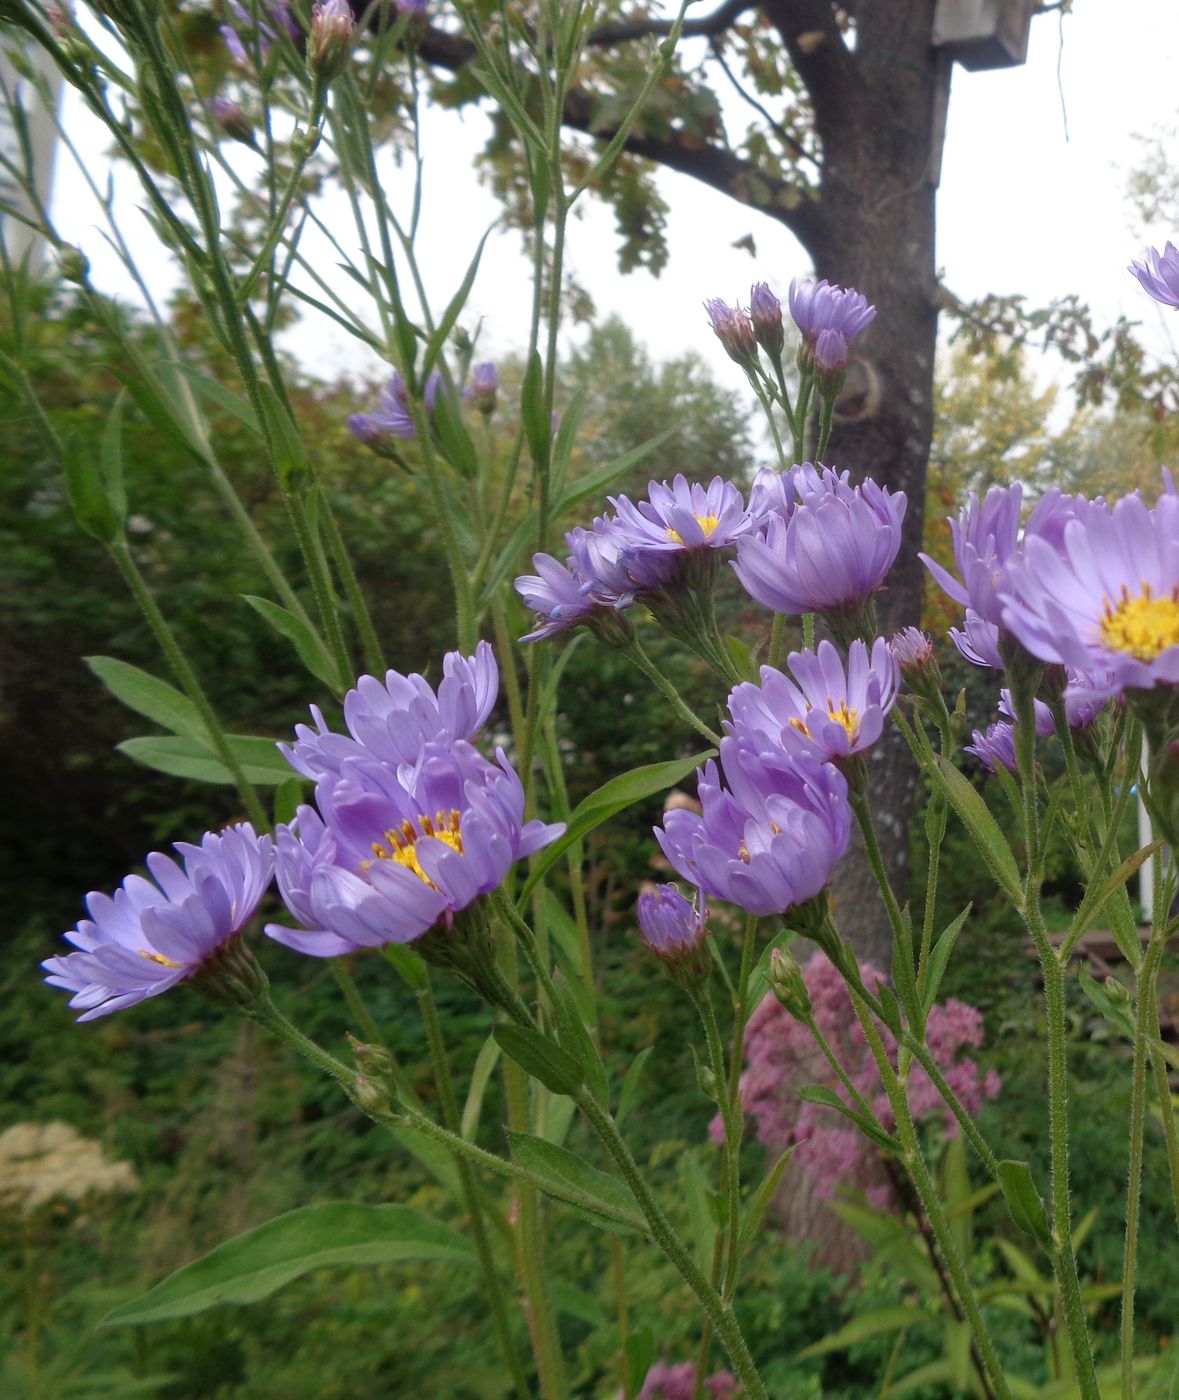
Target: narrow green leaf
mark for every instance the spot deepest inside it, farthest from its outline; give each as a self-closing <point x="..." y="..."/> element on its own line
<point x="537" y="427"/>
<point x="759" y="978"/>
<point x="601" y="477"/>
<point x="87" y="494"/>
<point x="576" y="1039"/>
<point x="751" y="1217"/>
<point x="869" y="1324"/>
<point x="112" y="458"/>
<point x="261" y="762"/>
<point x="154" y="699"/>
<point x="639" y="1353"/>
<point x="611" y="798"/>
<point x="939" y="957"/>
<point x="1097" y="896"/>
<point x="701" y="1227"/>
<point x="976" y="817"/>
<point x="454" y="308"/>
<point x="828" y="1098"/>
<point x="1023" y="1201"/>
<point x="741" y="656"/>
<point x="312" y="652"/>
<point x="254" y="1265"/>
<point x="1112" y="1000"/>
<point x="558" y="1115"/>
<point x="566" y="436"/>
<point x="541" y="1057"/>
<point x="629" y="1093"/>
<point x="485" y="1063"/>
<point x="152" y="400"/>
<point x="290" y="452"/>
<point x="436" y="1159"/>
<point x="287" y="797"/>
<point x="218" y="394"/>
<point x="576" y="1302"/>
<point x="595" y="1196"/>
<point x="458" y="447"/>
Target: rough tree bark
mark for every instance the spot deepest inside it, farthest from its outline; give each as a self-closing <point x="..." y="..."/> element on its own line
<point x="869" y="222"/>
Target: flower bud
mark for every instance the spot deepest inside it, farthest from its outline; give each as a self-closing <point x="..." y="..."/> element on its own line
<point x="368" y="1096"/>
<point x="787" y="984"/>
<point x="830" y="356"/>
<point x="482" y="390"/>
<point x="330" y="40"/>
<point x="675" y="929"/>
<point x="765" y="312"/>
<point x="919" y="669"/>
<point x="230" y="119"/>
<point x="74" y="264"/>
<point x="734" y="330"/>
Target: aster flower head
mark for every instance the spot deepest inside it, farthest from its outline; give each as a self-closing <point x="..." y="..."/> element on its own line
<point x="389" y="721"/>
<point x="831" y="352"/>
<point x="985" y="535"/>
<point x="681" y="516"/>
<point x="765" y="312"/>
<point x="1105" y="601"/>
<point x="733" y="329"/>
<point x="559" y="594"/>
<point x="995" y="747"/>
<point x="1159" y="274"/>
<point x="672" y="926"/>
<point x="1045" y="725"/>
<point x="149" y="936"/>
<point x="253" y="33"/>
<point x="978" y="641"/>
<point x="831" y="553"/>
<point x="912" y="648"/>
<point x="820" y="306"/>
<point x="389" y="852"/>
<point x="328" y="45"/>
<point x="830" y="712"/>
<point x="779" y="492"/>
<point x="392" y="419"/>
<point x="768" y="837"/>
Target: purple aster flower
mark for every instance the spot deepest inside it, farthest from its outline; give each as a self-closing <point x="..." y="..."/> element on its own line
<point x="484" y="387"/>
<point x="392" y="851"/>
<point x="831" y="352"/>
<point x="1159" y="274"/>
<point x="766" y="840"/>
<point x="765" y="312"/>
<point x="985" y="536"/>
<point x="392" y="418"/>
<point x="779" y="492"/>
<point x="148" y="937"/>
<point x="978" y="641"/>
<point x="1045" y="725"/>
<point x="557" y="594"/>
<point x="680" y="516"/>
<point x="1106" y="600"/>
<point x="330" y="40"/>
<point x="261" y="29"/>
<point x="734" y="330"/>
<point x="995" y="748"/>
<point x="820" y="306"/>
<point x="671" y="925"/>
<point x="912" y="648"/>
<point x="833" y="551"/>
<point x="389" y="721"/>
<point x="829" y="713"/>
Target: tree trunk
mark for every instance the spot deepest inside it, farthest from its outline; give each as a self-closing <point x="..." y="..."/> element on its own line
<point x="881" y="161"/>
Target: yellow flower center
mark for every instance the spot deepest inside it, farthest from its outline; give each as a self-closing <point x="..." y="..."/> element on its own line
<point x="158" y="958"/>
<point x="401" y="844"/>
<point x="1141" y="626"/>
<point x="843" y="714"/>
<point x="707" y="523"/>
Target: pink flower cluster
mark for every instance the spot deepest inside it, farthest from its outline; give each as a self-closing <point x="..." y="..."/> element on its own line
<point x="666" y="1382"/>
<point x="781" y="1056"/>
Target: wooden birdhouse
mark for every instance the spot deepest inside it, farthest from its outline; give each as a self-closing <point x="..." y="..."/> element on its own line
<point x="981" y="34"/>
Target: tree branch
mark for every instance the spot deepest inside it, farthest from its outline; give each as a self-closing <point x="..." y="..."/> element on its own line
<point x="709" y="25"/>
<point x="713" y="165"/>
<point x="818" y="53"/>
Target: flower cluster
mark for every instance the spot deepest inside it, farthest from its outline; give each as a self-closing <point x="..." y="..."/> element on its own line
<point x="392" y="420"/>
<point x="410" y="825"/>
<point x="781" y="1056"/>
<point x="820" y="544"/>
<point x="643" y="549"/>
<point x="247" y="32"/>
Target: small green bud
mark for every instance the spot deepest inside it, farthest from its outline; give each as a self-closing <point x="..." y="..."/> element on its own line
<point x="73" y="263"/>
<point x="787" y="984"/>
<point x="368" y="1096"/>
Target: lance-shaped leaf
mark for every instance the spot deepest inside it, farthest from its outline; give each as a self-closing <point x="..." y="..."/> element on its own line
<point x="261" y="762"/>
<point x="253" y="1265"/>
<point x="312" y="652"/>
<point x="1023" y="1201"/>
<point x="148" y="696"/>
<point x="543" y="1058"/>
<point x="601" y="1199"/>
<point x="1097" y="896"/>
<point x="821" y="1094"/>
<point x="611" y="798"/>
<point x="976" y="817"/>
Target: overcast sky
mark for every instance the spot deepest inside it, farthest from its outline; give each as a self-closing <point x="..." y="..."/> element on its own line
<point x="1032" y="201"/>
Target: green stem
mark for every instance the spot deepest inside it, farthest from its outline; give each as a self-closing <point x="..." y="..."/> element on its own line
<point x="618" y="1273"/>
<point x="716" y="1309"/>
<point x="370" y="644"/>
<point x="733" y="1095"/>
<point x="636" y="654"/>
<point x="918" y="1171"/>
<point x="777" y="640"/>
<point x="492" y="1285"/>
<point x="188" y="680"/>
<point x="731" y="1163"/>
<point x="825" y="416"/>
<point x="1064" y="1258"/>
<point x="1162" y="1089"/>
